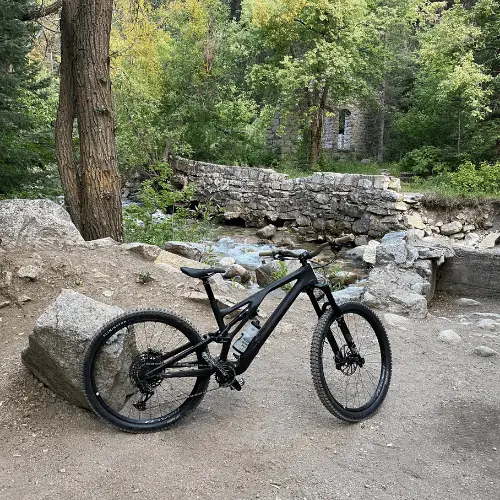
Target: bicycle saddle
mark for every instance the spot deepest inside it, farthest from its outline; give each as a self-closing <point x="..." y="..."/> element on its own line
<point x="202" y="273"/>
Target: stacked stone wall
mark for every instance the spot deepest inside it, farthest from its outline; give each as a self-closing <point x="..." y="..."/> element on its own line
<point x="324" y="203"/>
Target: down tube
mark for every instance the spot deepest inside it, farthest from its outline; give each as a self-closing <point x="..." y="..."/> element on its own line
<point x="269" y="326"/>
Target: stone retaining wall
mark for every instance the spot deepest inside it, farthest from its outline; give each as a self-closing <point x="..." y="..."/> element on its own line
<point x="324" y="203"/>
<point x="471" y="272"/>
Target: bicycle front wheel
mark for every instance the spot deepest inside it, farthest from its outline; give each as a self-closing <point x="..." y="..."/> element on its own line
<point x="117" y="369"/>
<point x="351" y="382"/>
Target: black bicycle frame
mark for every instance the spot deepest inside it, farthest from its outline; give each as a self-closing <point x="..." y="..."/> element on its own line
<point x="306" y="281"/>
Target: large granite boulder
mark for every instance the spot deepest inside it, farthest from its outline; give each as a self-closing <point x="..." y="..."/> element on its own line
<point x="403" y="279"/>
<point x="59" y="339"/>
<point x="35" y="224"/>
<point x="193" y="251"/>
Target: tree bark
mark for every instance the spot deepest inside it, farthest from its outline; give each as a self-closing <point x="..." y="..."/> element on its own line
<point x="317" y="124"/>
<point x="101" y="213"/>
<point x="42" y="11"/>
<point x="381" y="133"/>
<point x="68" y="168"/>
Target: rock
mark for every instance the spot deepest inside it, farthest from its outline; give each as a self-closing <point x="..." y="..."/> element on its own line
<point x="237" y="271"/>
<point x="485" y="352"/>
<point x="399" y="291"/>
<point x="36" y="224"/>
<point x="471" y="269"/>
<point x="31" y="272"/>
<point x="265" y="274"/>
<point x="147" y="252"/>
<point x="401" y="206"/>
<point x="226" y="261"/>
<point x="59" y="339"/>
<point x="193" y="251"/>
<point x="451" y="228"/>
<point x="471" y="239"/>
<point x="488" y="324"/>
<point x="24" y="298"/>
<point x="449" y="337"/>
<point x="344" y="277"/>
<point x="178" y="261"/>
<point x="412" y="198"/>
<point x="101" y="243"/>
<point x="202" y="297"/>
<point x="5" y="303"/>
<point x="400" y="253"/>
<point x="467" y="302"/>
<point x="490" y="240"/>
<point x="370" y="253"/>
<point x="6" y="279"/>
<point x="351" y="293"/>
<point x="395" y="319"/>
<point x="360" y="240"/>
<point x="168" y="268"/>
<point x="267" y="232"/>
<point x="356" y="253"/>
<point x="415" y="221"/>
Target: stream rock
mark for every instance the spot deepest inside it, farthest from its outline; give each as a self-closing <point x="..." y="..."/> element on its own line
<point x="237" y="271"/>
<point x="59" y="339"/>
<point x="266" y="232"/>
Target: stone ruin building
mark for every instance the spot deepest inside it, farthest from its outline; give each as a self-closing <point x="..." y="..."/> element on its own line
<point x="348" y="132"/>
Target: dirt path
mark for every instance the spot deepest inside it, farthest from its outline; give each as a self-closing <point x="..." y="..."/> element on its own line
<point x="437" y="436"/>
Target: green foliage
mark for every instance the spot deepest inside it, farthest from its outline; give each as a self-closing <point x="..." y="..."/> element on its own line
<point x="469" y="178"/>
<point x="142" y="222"/>
<point x="312" y="52"/>
<point x="468" y="181"/>
<point x="281" y="272"/>
<point x="425" y="161"/>
<point x="26" y="144"/>
<point x="145" y="277"/>
<point x="207" y="110"/>
<point x="451" y="102"/>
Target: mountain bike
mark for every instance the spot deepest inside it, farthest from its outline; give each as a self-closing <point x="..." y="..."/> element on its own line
<point x="148" y="369"/>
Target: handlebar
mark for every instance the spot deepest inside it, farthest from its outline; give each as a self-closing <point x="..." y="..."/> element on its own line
<point x="307" y="255"/>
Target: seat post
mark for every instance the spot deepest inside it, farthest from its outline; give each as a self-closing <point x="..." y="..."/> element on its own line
<point x="213" y="303"/>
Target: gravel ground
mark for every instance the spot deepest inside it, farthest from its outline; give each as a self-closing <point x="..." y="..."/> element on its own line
<point x="437" y="436"/>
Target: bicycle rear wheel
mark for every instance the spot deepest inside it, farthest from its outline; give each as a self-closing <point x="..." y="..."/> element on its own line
<point x="116" y="365"/>
<point x="351" y="384"/>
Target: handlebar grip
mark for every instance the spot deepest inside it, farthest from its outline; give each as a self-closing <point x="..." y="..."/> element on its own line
<point x="344" y="239"/>
<point x="267" y="253"/>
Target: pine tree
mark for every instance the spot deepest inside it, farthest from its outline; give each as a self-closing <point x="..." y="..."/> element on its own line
<point x="17" y="81"/>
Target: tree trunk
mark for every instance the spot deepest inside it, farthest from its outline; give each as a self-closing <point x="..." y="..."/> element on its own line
<point x="317" y="124"/>
<point x="68" y="168"/>
<point x="381" y="133"/>
<point x="101" y="213"/>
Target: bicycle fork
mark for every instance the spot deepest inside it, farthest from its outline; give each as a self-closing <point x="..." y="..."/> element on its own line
<point x="341" y="358"/>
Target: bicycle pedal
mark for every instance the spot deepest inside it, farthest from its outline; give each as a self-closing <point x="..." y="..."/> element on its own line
<point x="237" y="384"/>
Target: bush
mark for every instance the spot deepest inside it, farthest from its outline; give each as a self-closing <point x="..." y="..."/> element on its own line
<point x="162" y="214"/>
<point x="470" y="179"/>
<point x="427" y="160"/>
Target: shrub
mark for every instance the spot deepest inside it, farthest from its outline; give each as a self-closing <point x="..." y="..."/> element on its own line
<point x="162" y="214"/>
<point x="426" y="160"/>
<point x="471" y="179"/>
